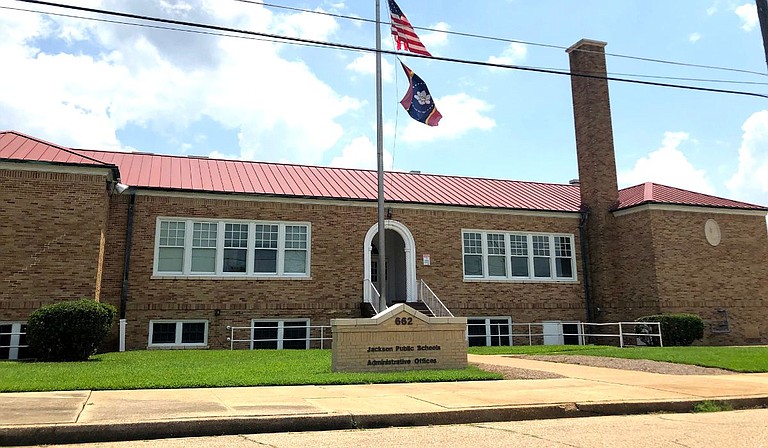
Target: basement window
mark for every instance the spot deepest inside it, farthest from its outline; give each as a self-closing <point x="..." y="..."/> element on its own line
<point x="13" y="340"/>
<point x="280" y="334"/>
<point x="178" y="333"/>
<point x="507" y="256"/>
<point x="489" y="331"/>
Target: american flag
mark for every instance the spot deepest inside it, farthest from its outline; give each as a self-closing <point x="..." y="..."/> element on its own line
<point x="403" y="32"/>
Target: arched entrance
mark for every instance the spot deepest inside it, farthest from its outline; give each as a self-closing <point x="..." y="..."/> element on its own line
<point x="400" y="264"/>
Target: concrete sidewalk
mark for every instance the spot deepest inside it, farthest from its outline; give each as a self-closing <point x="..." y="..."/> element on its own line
<point x="90" y="416"/>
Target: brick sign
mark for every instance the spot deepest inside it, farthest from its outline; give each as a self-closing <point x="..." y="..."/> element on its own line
<point x="399" y="338"/>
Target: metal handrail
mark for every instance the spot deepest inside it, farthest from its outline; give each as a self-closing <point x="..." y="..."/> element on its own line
<point x="509" y="331"/>
<point x="433" y="302"/>
<point x="231" y="339"/>
<point x="373" y="297"/>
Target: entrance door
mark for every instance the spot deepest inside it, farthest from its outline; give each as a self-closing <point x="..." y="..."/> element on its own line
<point x="400" y="269"/>
<point x="395" y="269"/>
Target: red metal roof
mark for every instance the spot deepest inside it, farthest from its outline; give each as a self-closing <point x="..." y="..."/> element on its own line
<point x="202" y="174"/>
<point x="651" y="193"/>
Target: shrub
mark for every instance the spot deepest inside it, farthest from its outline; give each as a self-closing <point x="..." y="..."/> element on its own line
<point x="69" y="331"/>
<point x="676" y="329"/>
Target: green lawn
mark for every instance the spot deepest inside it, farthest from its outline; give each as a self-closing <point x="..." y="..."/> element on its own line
<point x="739" y="359"/>
<point x="169" y="369"/>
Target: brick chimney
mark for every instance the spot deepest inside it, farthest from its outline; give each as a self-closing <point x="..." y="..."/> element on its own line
<point x="594" y="132"/>
<point x="597" y="166"/>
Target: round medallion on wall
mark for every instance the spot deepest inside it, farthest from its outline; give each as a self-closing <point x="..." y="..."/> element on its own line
<point x="712" y="232"/>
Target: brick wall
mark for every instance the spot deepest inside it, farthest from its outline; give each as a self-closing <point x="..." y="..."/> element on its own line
<point x="337" y="271"/>
<point x="694" y="276"/>
<point x="52" y="236"/>
<point x="665" y="264"/>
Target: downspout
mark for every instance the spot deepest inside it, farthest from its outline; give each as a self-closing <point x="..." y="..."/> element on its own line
<point x="126" y="267"/>
<point x="584" y="263"/>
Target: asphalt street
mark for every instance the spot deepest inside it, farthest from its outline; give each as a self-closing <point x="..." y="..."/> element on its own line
<point x="746" y="428"/>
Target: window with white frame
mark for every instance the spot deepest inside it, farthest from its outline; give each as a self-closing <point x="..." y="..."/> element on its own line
<point x="280" y="334"/>
<point x="196" y="247"/>
<point x="489" y="331"/>
<point x="518" y="256"/>
<point x="178" y="333"/>
<point x="13" y="340"/>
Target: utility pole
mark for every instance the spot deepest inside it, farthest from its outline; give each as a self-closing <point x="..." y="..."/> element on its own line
<point x="762" y="15"/>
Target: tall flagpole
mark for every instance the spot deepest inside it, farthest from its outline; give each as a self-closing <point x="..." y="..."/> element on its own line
<point x="382" y="266"/>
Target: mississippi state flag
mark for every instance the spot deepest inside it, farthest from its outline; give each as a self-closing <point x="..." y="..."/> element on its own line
<point x="403" y="33"/>
<point x="418" y="102"/>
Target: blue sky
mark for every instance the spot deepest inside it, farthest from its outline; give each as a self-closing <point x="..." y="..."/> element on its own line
<point x="98" y="85"/>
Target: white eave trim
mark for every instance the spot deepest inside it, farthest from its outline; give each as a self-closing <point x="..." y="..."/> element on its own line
<point x="689" y="209"/>
<point x="53" y="167"/>
<point x="356" y="203"/>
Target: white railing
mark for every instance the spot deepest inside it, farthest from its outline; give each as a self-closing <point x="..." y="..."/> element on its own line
<point x="434" y="303"/>
<point x="323" y="334"/>
<point x="371" y="295"/>
<point x="534" y="333"/>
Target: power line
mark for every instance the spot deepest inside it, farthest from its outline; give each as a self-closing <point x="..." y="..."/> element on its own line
<point x="505" y="40"/>
<point x="323" y="44"/>
<point x="211" y="33"/>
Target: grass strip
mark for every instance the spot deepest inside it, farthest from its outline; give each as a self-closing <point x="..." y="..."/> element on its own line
<point x="172" y="369"/>
<point x="737" y="359"/>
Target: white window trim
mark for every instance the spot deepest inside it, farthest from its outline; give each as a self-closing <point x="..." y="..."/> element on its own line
<point x="179" y="323"/>
<point x="220" y="274"/>
<point x="531" y="278"/>
<point x="488" y="334"/>
<point x="280" y="329"/>
<point x="13" y="350"/>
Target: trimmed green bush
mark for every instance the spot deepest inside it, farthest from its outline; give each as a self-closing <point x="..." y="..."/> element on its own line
<point x="69" y="331"/>
<point x="676" y="329"/>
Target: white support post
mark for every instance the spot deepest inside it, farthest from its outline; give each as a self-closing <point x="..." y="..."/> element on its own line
<point x="621" y="336"/>
<point x="123" y="323"/>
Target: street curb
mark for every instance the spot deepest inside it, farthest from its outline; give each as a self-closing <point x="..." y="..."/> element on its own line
<point x="218" y="426"/>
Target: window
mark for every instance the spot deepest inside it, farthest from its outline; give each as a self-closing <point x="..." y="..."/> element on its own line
<point x="195" y="247"/>
<point x="489" y="331"/>
<point x="518" y="256"/>
<point x="178" y="333"/>
<point x="266" y="249"/>
<point x="280" y="334"/>
<point x="563" y="256"/>
<point x="204" y="247"/>
<point x="13" y="340"/>
<point x="295" y="249"/>
<point x="473" y="254"/>
<point x="170" y="257"/>
<point x="235" y="247"/>
<point x="518" y="248"/>
<point x="497" y="261"/>
<point x="541" y="262"/>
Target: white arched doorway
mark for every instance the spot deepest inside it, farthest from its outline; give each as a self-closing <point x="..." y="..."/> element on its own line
<point x="401" y="260"/>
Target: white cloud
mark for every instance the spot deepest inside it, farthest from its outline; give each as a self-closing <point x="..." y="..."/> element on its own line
<point x="361" y="153"/>
<point x="712" y="10"/>
<point x="513" y="54"/>
<point x="694" y="37"/>
<point x="750" y="182"/>
<point x="166" y="81"/>
<point x="748" y="15"/>
<point x="668" y="165"/>
<point x="435" y="39"/>
<point x="365" y="64"/>
<point x="307" y="25"/>
<point x="461" y="114"/>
